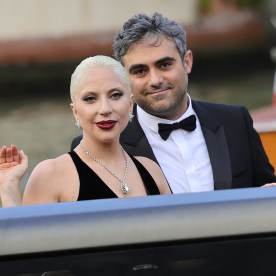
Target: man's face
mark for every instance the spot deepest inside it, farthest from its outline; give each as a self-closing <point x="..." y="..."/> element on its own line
<point x="158" y="78"/>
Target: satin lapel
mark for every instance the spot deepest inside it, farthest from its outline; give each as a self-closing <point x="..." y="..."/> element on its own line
<point x="134" y="140"/>
<point x="214" y="135"/>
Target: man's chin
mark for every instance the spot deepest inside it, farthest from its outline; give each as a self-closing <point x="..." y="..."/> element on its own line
<point x="159" y="110"/>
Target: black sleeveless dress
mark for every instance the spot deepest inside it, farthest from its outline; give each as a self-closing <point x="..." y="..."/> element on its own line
<point x="92" y="186"/>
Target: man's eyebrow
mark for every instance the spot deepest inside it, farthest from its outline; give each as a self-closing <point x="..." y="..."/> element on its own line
<point x="140" y="65"/>
<point x="164" y="59"/>
<point x="135" y="66"/>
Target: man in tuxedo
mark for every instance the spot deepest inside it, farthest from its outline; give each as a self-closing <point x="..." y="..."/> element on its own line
<point x="199" y="146"/>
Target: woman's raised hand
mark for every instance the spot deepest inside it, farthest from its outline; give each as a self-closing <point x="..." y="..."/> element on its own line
<point x="13" y="166"/>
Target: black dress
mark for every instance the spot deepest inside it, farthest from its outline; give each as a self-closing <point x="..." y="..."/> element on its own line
<point x="92" y="186"/>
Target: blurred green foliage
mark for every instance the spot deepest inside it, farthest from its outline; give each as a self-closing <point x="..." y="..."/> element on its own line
<point x="250" y="3"/>
<point x="205" y="6"/>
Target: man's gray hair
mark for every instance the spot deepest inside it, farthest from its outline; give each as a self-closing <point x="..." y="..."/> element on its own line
<point x="141" y="27"/>
<point x="93" y="62"/>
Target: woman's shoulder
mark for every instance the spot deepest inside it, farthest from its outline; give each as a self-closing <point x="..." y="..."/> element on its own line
<point x="154" y="169"/>
<point x="146" y="161"/>
<point x="53" y="165"/>
<point x="48" y="179"/>
<point x="149" y="164"/>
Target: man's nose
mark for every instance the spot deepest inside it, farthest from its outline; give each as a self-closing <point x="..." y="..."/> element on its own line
<point x="156" y="78"/>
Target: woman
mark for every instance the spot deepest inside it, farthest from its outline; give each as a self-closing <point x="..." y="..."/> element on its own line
<point x="97" y="168"/>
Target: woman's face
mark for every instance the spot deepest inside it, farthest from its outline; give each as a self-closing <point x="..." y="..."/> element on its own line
<point x="102" y="104"/>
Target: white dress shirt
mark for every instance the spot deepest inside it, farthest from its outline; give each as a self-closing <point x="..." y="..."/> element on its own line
<point x="183" y="157"/>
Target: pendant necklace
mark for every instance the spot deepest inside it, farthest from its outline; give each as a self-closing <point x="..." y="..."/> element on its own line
<point x="124" y="186"/>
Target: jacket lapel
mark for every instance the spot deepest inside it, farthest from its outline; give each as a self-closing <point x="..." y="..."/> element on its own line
<point x="134" y="140"/>
<point x="216" y="142"/>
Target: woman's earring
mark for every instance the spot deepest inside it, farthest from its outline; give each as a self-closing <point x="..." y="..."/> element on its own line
<point x="130" y="117"/>
<point x="77" y="123"/>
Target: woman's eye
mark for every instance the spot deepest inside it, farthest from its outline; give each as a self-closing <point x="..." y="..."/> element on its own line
<point x="116" y="95"/>
<point x="89" y="99"/>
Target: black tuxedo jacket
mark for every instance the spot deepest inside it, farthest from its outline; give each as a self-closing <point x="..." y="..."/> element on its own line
<point x="236" y="153"/>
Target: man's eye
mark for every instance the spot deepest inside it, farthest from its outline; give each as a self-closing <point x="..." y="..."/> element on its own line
<point x="165" y="65"/>
<point x="139" y="72"/>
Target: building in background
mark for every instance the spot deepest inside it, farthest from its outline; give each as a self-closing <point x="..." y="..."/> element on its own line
<point x="53" y="31"/>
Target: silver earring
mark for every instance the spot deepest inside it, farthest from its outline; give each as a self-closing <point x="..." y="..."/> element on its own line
<point x="130" y="117"/>
<point x="77" y="123"/>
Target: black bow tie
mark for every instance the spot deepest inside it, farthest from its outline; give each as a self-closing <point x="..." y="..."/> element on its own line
<point x="188" y="124"/>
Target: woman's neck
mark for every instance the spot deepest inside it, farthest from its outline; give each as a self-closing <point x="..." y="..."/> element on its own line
<point x="103" y="151"/>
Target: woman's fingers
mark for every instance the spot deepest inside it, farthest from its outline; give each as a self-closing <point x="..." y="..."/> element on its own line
<point x="9" y="154"/>
<point x="23" y="158"/>
<point x="3" y="154"/>
<point x="9" y="157"/>
<point x="15" y="153"/>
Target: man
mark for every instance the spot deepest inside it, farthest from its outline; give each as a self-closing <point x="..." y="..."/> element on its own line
<point x="218" y="149"/>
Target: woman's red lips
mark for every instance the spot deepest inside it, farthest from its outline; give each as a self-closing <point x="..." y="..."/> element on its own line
<point x="106" y="124"/>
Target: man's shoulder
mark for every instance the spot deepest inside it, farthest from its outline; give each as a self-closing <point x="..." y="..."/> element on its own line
<point x="133" y="129"/>
<point x="215" y="105"/>
<point x="76" y="142"/>
<point x="201" y="106"/>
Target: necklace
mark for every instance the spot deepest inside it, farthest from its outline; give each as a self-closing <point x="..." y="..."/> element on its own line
<point x="124" y="186"/>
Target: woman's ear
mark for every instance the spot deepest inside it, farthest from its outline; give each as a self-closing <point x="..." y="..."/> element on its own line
<point x="75" y="113"/>
<point x="131" y="103"/>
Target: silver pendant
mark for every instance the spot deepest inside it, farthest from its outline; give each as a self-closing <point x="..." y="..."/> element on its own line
<point x="124" y="188"/>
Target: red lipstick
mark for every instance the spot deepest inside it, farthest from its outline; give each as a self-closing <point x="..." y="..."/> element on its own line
<point x="106" y="124"/>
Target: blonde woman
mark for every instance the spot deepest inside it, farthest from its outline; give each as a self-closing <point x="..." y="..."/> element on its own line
<point x="97" y="168"/>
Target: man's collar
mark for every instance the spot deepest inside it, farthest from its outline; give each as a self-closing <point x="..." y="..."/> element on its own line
<point x="151" y="122"/>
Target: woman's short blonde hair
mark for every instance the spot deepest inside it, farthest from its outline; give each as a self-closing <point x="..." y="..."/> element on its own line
<point x="93" y="62"/>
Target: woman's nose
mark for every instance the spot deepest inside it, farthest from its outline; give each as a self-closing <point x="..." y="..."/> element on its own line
<point x="105" y="107"/>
